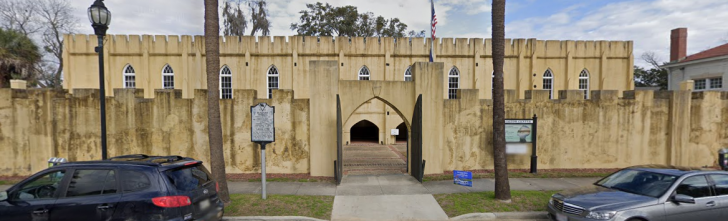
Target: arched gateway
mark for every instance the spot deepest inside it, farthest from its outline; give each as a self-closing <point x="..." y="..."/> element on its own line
<point x="411" y="100"/>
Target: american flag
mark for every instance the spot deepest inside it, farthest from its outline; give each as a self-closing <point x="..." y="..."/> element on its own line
<point x="433" y="22"/>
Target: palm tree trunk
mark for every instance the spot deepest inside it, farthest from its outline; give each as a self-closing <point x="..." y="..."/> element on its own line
<point x="214" y="128"/>
<point x="500" y="164"/>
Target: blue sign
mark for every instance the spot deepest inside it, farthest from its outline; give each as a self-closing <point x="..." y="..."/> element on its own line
<point x="463" y="178"/>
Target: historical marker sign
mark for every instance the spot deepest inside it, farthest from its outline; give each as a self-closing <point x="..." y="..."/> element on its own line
<point x="262" y="123"/>
<point x="262" y="131"/>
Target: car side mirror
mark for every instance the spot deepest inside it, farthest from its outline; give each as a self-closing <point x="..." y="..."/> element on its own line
<point x="3" y="196"/>
<point x="681" y="198"/>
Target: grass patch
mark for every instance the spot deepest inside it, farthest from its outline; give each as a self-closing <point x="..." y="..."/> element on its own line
<point x="280" y="205"/>
<point x="456" y="204"/>
<point x="516" y="174"/>
<point x="9" y="182"/>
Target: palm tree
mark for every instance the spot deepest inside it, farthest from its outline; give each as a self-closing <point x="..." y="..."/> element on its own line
<point x="214" y="127"/>
<point x="18" y="57"/>
<point x="500" y="164"/>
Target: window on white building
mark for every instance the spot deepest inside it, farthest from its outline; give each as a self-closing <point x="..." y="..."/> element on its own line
<point x="226" y="83"/>
<point x="716" y="83"/>
<point x="453" y="83"/>
<point x="364" y="73"/>
<point x="272" y="80"/>
<point x="708" y="84"/>
<point x="167" y="77"/>
<point x="408" y="74"/>
<point x="129" y="77"/>
<point x="548" y="82"/>
<point x="584" y="83"/>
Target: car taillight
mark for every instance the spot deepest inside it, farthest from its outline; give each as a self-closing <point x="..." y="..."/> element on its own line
<point x="217" y="187"/>
<point x="171" y="201"/>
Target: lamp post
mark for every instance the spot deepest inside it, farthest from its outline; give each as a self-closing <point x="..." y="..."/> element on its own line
<point x="100" y="18"/>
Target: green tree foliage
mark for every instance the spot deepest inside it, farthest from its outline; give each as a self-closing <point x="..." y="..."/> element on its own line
<point x="235" y="23"/>
<point x="233" y="19"/>
<point x="259" y="17"/>
<point x="18" y="57"/>
<point x="653" y="77"/>
<point x="323" y="19"/>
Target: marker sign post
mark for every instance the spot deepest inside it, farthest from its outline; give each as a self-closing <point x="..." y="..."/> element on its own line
<point x="520" y="132"/>
<point x="262" y="131"/>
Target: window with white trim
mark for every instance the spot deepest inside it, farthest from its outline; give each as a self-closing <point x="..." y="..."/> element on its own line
<point x="226" y="83"/>
<point x="129" y="77"/>
<point x="364" y="73"/>
<point x="167" y="77"/>
<point x="453" y="83"/>
<point x="272" y="80"/>
<point x="716" y="83"/>
<point x="584" y="82"/>
<point x="408" y="74"/>
<point x="548" y="82"/>
<point x="708" y="84"/>
<point x="699" y="84"/>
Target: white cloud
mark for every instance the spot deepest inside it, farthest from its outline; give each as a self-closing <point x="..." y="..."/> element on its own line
<point x="648" y="24"/>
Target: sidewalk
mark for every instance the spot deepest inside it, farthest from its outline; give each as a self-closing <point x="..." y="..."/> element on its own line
<point x="361" y="185"/>
<point x="401" y="197"/>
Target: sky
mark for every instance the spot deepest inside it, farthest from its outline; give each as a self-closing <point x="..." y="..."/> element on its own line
<point x="645" y="22"/>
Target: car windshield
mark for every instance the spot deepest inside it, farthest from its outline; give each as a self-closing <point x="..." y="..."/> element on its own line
<point x="638" y="182"/>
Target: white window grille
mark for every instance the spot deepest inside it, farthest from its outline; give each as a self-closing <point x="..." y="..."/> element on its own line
<point x="716" y="83"/>
<point x="453" y="83"/>
<point x="272" y="80"/>
<point x="492" y="82"/>
<point x="548" y="83"/>
<point x="408" y="74"/>
<point x="708" y="84"/>
<point x="226" y="83"/>
<point x="584" y="83"/>
<point x="167" y="77"/>
<point x="129" y="77"/>
<point x="364" y="73"/>
<point x="700" y="84"/>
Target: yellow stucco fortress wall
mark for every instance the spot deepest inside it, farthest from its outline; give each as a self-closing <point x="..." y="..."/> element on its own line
<point x="605" y="131"/>
<point x="608" y="64"/>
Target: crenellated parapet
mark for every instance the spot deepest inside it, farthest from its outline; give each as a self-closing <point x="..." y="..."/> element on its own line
<point x="365" y="46"/>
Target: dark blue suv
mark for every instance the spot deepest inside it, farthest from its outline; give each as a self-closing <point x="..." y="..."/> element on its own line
<point x="130" y="187"/>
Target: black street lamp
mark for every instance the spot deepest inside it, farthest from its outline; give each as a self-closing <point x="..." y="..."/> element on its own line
<point x="100" y="18"/>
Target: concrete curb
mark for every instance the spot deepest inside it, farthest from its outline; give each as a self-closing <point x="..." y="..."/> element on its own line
<point x="270" y="218"/>
<point x="504" y="215"/>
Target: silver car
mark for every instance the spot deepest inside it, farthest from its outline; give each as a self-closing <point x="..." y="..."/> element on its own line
<point x="646" y="193"/>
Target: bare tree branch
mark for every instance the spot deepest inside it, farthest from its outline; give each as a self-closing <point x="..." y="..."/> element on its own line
<point x="651" y="58"/>
<point x="19" y="15"/>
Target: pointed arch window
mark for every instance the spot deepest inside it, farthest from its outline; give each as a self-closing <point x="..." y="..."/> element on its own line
<point x="453" y="83"/>
<point x="408" y="74"/>
<point x="272" y="80"/>
<point x="129" y="77"/>
<point x="226" y="83"/>
<point x="167" y="77"/>
<point x="364" y="73"/>
<point x="548" y="82"/>
<point x="584" y="82"/>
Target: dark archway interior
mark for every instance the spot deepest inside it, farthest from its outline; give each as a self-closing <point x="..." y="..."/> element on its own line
<point x="365" y="131"/>
<point x="402" y="132"/>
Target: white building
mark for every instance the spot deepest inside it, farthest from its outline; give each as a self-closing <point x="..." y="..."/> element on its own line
<point x="708" y="69"/>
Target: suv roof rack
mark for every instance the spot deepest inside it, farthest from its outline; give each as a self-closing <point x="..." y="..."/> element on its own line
<point x="149" y="159"/>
